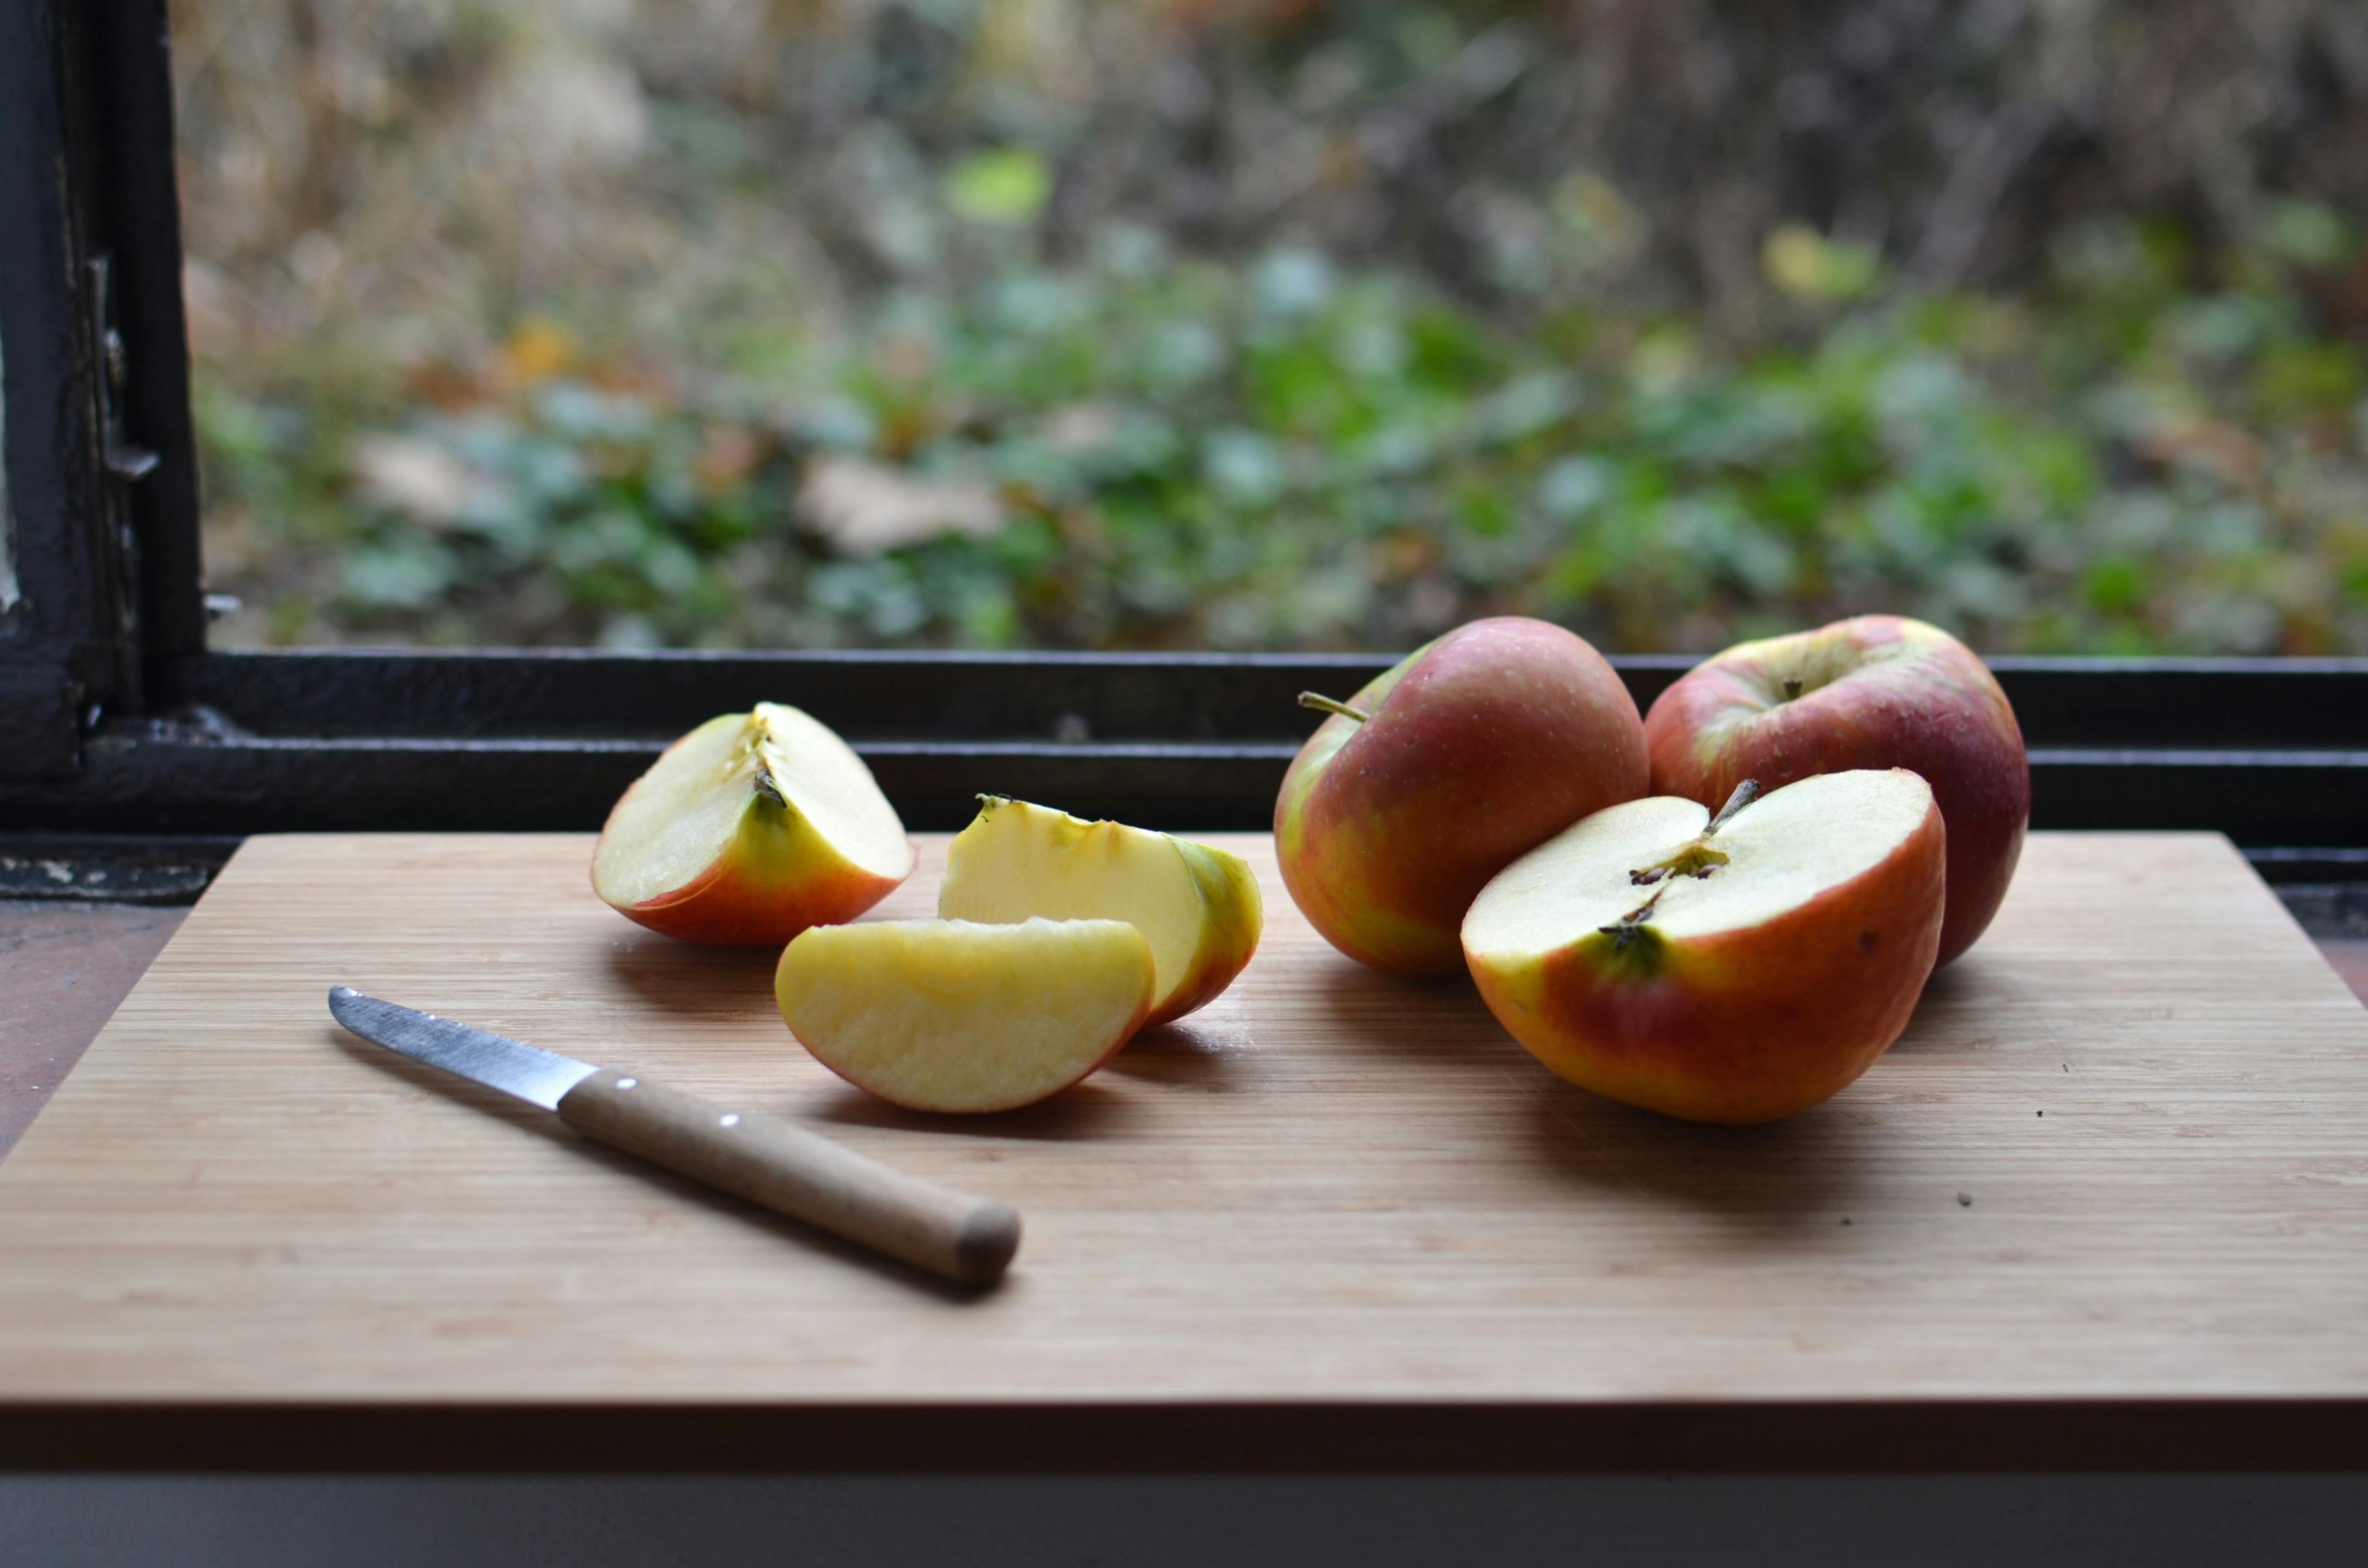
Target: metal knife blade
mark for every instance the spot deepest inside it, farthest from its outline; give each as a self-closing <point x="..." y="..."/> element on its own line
<point x="533" y="1075"/>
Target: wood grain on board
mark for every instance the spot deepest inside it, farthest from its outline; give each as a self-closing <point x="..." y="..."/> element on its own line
<point x="2119" y="1160"/>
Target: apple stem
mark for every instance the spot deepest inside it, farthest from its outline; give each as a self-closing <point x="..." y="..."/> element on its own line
<point x="1792" y="688"/>
<point x="1324" y="704"/>
<point x="1745" y="793"/>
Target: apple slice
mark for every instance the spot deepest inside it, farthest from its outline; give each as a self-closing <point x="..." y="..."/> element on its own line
<point x="750" y="829"/>
<point x="951" y="1015"/>
<point x="1198" y="907"/>
<point x="1734" y="969"/>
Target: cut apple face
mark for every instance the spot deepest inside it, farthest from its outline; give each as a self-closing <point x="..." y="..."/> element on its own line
<point x="953" y="1016"/>
<point x="1731" y="970"/>
<point x="1198" y="907"/>
<point x="750" y="829"/>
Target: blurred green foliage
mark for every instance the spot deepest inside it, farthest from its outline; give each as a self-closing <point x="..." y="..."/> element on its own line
<point x="1288" y="453"/>
<point x="1271" y="324"/>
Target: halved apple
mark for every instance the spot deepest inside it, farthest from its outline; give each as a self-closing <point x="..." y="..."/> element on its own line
<point x="1198" y="907"/>
<point x="1734" y="969"/>
<point x="750" y="829"/>
<point x="951" y="1016"/>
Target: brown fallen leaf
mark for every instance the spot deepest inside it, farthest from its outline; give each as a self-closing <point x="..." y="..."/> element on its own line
<point x="862" y="508"/>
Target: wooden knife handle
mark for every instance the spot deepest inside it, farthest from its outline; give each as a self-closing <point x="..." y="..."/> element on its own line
<point x="797" y="1172"/>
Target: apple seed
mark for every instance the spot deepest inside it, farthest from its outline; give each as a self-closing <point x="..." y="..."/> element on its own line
<point x="1697" y="860"/>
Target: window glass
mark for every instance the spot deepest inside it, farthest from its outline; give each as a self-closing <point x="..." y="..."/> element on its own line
<point x="1262" y="323"/>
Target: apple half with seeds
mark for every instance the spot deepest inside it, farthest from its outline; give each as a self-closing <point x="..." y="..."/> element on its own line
<point x="1734" y="969"/>
<point x="748" y="830"/>
<point x="953" y="1016"/>
<point x="1198" y="907"/>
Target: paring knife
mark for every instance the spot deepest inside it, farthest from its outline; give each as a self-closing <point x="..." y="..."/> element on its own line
<point x="757" y="1157"/>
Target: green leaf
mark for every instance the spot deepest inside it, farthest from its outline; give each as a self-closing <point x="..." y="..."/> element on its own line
<point x="1805" y="264"/>
<point x="2308" y="234"/>
<point x="398" y="577"/>
<point x="1006" y="184"/>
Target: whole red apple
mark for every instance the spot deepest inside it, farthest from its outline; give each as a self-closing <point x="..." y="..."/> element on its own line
<point x="1874" y="691"/>
<point x="1472" y="750"/>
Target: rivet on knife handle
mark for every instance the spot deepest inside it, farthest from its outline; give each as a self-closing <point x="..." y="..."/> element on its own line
<point x="797" y="1172"/>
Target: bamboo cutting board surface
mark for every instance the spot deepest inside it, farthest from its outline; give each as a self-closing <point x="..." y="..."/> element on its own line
<point x="2121" y="1155"/>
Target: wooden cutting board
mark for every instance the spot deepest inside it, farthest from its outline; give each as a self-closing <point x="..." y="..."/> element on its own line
<point x="2105" y="1202"/>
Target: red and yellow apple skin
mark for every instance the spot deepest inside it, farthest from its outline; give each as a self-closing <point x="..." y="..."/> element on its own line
<point x="1742" y="1026"/>
<point x="1479" y="747"/>
<point x="1876" y="691"/>
<point x="779" y="878"/>
<point x="1226" y="885"/>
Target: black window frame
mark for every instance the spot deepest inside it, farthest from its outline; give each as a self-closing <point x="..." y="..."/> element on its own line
<point x="115" y="714"/>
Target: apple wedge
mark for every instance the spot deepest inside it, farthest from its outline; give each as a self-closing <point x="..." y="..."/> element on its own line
<point x="952" y="1015"/>
<point x="750" y="829"/>
<point x="1734" y="969"/>
<point x="1198" y="907"/>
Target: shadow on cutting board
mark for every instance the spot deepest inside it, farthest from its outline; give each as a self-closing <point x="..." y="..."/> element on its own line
<point x="688" y="979"/>
<point x="1205" y="1053"/>
<point x="1790" y="1179"/>
<point x="1820" y="1172"/>
<point x="1082" y="1111"/>
<point x="1787" y="1180"/>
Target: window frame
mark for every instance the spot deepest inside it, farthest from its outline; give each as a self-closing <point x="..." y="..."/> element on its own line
<point x="106" y="523"/>
<point x="113" y="711"/>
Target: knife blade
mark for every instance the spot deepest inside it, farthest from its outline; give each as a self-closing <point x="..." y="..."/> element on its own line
<point x="758" y="1157"/>
<point x="531" y="1074"/>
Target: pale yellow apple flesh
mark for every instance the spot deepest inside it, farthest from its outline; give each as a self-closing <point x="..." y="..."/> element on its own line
<point x="1198" y="907"/>
<point x="750" y="829"/>
<point x="1732" y="975"/>
<point x="1777" y="854"/>
<point x="953" y="1016"/>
